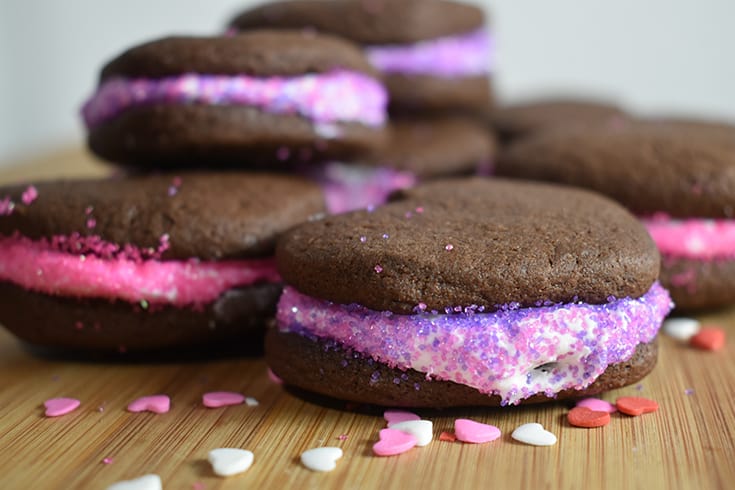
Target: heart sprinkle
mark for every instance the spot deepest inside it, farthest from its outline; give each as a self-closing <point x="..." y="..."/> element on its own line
<point x="147" y="482"/>
<point x="709" y="338"/>
<point x="681" y="328"/>
<point x="475" y="432"/>
<point x="154" y="403"/>
<point x="584" y="417"/>
<point x="635" y="405"/>
<point x="218" y="399"/>
<point x="230" y="461"/>
<point x="597" y="405"/>
<point x="60" y="406"/>
<point x="534" y="434"/>
<point x="422" y="430"/>
<point x="393" y="442"/>
<point x="321" y="458"/>
<point x="398" y="416"/>
<point x="447" y="436"/>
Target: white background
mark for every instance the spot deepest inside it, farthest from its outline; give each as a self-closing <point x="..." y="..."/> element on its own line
<point x="652" y="55"/>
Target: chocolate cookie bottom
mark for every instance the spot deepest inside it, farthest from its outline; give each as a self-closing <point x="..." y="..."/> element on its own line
<point x="699" y="284"/>
<point x="99" y="325"/>
<point x="325" y="367"/>
<point x="420" y="94"/>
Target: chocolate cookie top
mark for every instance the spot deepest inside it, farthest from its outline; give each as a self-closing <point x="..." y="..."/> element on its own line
<point x="434" y="147"/>
<point x="473" y="242"/>
<point x="209" y="216"/>
<point x="681" y="169"/>
<point x="367" y="21"/>
<point x="514" y="121"/>
<point x="258" y="53"/>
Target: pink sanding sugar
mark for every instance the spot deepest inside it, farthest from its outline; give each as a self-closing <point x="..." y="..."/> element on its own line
<point x="40" y="267"/>
<point x="699" y="239"/>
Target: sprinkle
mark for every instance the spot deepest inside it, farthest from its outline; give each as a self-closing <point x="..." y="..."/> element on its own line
<point x="282" y="153"/>
<point x="408" y="214"/>
<point x="398" y="416"/>
<point x="218" y="399"/>
<point x="274" y="377"/>
<point x="197" y="485"/>
<point x="78" y="325"/>
<point x="419" y="210"/>
<point x="393" y="442"/>
<point x="91" y="223"/>
<point x="449" y="247"/>
<point x="29" y="195"/>
<point x="639" y="387"/>
<point x="363" y="239"/>
<point x="378" y="268"/>
<point x="6" y="206"/>
<point x="586" y="418"/>
<point x="88" y="210"/>
<point x="321" y="458"/>
<point x="597" y="405"/>
<point x="534" y="434"/>
<point x="144" y="304"/>
<point x="681" y="328"/>
<point x="467" y="430"/>
<point x="709" y="338"/>
<point x="107" y="460"/>
<point x="633" y="405"/>
<point x="447" y="436"/>
<point x="251" y="402"/>
<point x="342" y="437"/>
<point x="385" y="236"/>
<point x="56" y="407"/>
<point x="153" y="403"/>
<point x="230" y="461"/>
<point x="689" y="391"/>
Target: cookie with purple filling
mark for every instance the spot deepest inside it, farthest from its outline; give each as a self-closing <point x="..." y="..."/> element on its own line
<point x="146" y="263"/>
<point x="469" y="292"/>
<point x="678" y="176"/>
<point x="434" y="54"/>
<point x="182" y="101"/>
<point x="417" y="150"/>
<point x="517" y="121"/>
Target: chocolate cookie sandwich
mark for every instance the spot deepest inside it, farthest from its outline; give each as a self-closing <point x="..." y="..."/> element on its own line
<point x="182" y="101"/>
<point x="417" y="150"/>
<point x="677" y="176"/>
<point x="146" y="263"/>
<point x="517" y="121"/>
<point x="435" y="54"/>
<point x="469" y="292"/>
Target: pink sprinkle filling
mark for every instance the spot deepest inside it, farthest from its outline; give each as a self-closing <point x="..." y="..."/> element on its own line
<point x="699" y="239"/>
<point x="337" y="96"/>
<point x="38" y="267"/>
<point x="512" y="352"/>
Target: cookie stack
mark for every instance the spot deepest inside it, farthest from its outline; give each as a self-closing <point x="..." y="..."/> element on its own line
<point x="462" y="291"/>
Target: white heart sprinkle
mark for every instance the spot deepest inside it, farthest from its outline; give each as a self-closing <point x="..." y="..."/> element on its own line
<point x="534" y="434"/>
<point x="251" y="402"/>
<point x="681" y="328"/>
<point x="147" y="482"/>
<point x="321" y="458"/>
<point x="228" y="461"/>
<point x="422" y="430"/>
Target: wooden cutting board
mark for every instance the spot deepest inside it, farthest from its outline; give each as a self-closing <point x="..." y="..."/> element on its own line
<point x="688" y="443"/>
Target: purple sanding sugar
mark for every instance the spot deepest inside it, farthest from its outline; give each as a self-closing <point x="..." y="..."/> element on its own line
<point x="338" y="96"/>
<point x="513" y="352"/>
<point x="448" y="57"/>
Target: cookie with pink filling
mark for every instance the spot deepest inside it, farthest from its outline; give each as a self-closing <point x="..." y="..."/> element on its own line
<point x="678" y="176"/>
<point x="146" y="263"/>
<point x="417" y="150"/>
<point x="469" y="292"/>
<point x="436" y="55"/>
<point x="263" y="96"/>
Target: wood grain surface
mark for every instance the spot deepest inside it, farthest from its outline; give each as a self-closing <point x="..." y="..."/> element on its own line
<point x="688" y="443"/>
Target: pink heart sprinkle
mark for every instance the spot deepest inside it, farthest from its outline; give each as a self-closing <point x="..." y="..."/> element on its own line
<point x="218" y="399"/>
<point x="154" y="403"/>
<point x="475" y="432"/>
<point x="397" y="416"/>
<point x="393" y="442"/>
<point x="597" y="405"/>
<point x="60" y="406"/>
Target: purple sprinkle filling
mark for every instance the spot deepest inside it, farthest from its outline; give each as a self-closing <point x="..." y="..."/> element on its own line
<point x="465" y="55"/>
<point x="337" y="96"/>
<point x="513" y="352"/>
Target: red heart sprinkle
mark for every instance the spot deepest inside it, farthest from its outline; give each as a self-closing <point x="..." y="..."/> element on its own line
<point x="634" y="405"/>
<point x="709" y="338"/>
<point x="447" y="436"/>
<point x="584" y="417"/>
